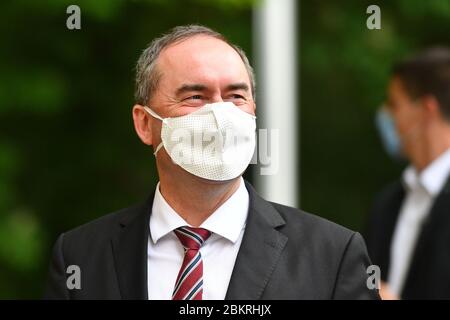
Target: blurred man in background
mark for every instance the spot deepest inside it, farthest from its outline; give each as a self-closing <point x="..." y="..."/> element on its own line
<point x="409" y="227"/>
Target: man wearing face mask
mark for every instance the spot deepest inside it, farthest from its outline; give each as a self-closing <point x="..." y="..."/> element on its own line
<point x="409" y="228"/>
<point x="204" y="233"/>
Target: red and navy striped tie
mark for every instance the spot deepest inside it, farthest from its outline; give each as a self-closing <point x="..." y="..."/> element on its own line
<point x="189" y="284"/>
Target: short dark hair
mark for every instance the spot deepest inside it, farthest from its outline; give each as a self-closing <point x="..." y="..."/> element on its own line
<point x="427" y="73"/>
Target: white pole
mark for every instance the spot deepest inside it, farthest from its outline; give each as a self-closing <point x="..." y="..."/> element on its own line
<point x="275" y="34"/>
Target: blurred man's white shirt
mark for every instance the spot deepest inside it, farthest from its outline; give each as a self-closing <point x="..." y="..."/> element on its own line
<point x="421" y="191"/>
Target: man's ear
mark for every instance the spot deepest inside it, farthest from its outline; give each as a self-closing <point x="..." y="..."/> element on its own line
<point x="432" y="107"/>
<point x="142" y="124"/>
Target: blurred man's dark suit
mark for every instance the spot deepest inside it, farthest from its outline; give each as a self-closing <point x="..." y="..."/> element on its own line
<point x="429" y="273"/>
<point x="285" y="254"/>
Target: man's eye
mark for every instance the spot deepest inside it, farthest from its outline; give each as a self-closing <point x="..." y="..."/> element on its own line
<point x="196" y="97"/>
<point x="237" y="96"/>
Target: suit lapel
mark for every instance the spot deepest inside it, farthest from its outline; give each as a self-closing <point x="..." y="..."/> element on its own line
<point x="388" y="228"/>
<point x="130" y="252"/>
<point x="258" y="255"/>
<point x="260" y="250"/>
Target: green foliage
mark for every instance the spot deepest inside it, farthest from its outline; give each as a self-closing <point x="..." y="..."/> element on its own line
<point x="21" y="241"/>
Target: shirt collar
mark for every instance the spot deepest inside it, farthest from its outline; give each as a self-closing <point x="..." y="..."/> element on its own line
<point x="227" y="221"/>
<point x="432" y="178"/>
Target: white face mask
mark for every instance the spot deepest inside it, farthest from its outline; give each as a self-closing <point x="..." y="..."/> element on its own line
<point x="215" y="142"/>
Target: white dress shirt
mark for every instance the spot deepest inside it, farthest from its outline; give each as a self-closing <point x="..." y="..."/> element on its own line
<point x="165" y="252"/>
<point x="421" y="191"/>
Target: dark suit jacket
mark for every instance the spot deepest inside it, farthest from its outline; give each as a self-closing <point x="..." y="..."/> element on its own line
<point x="429" y="273"/>
<point x="284" y="254"/>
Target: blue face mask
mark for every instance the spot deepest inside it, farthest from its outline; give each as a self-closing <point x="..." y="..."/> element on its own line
<point x="388" y="133"/>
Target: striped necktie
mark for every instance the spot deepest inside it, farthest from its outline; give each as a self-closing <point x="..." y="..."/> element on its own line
<point x="189" y="284"/>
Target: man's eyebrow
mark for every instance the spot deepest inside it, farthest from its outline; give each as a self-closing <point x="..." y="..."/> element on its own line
<point x="238" y="86"/>
<point x="190" y="87"/>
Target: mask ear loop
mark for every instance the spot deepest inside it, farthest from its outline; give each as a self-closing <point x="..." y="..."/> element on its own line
<point x="157" y="148"/>
<point x="155" y="115"/>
